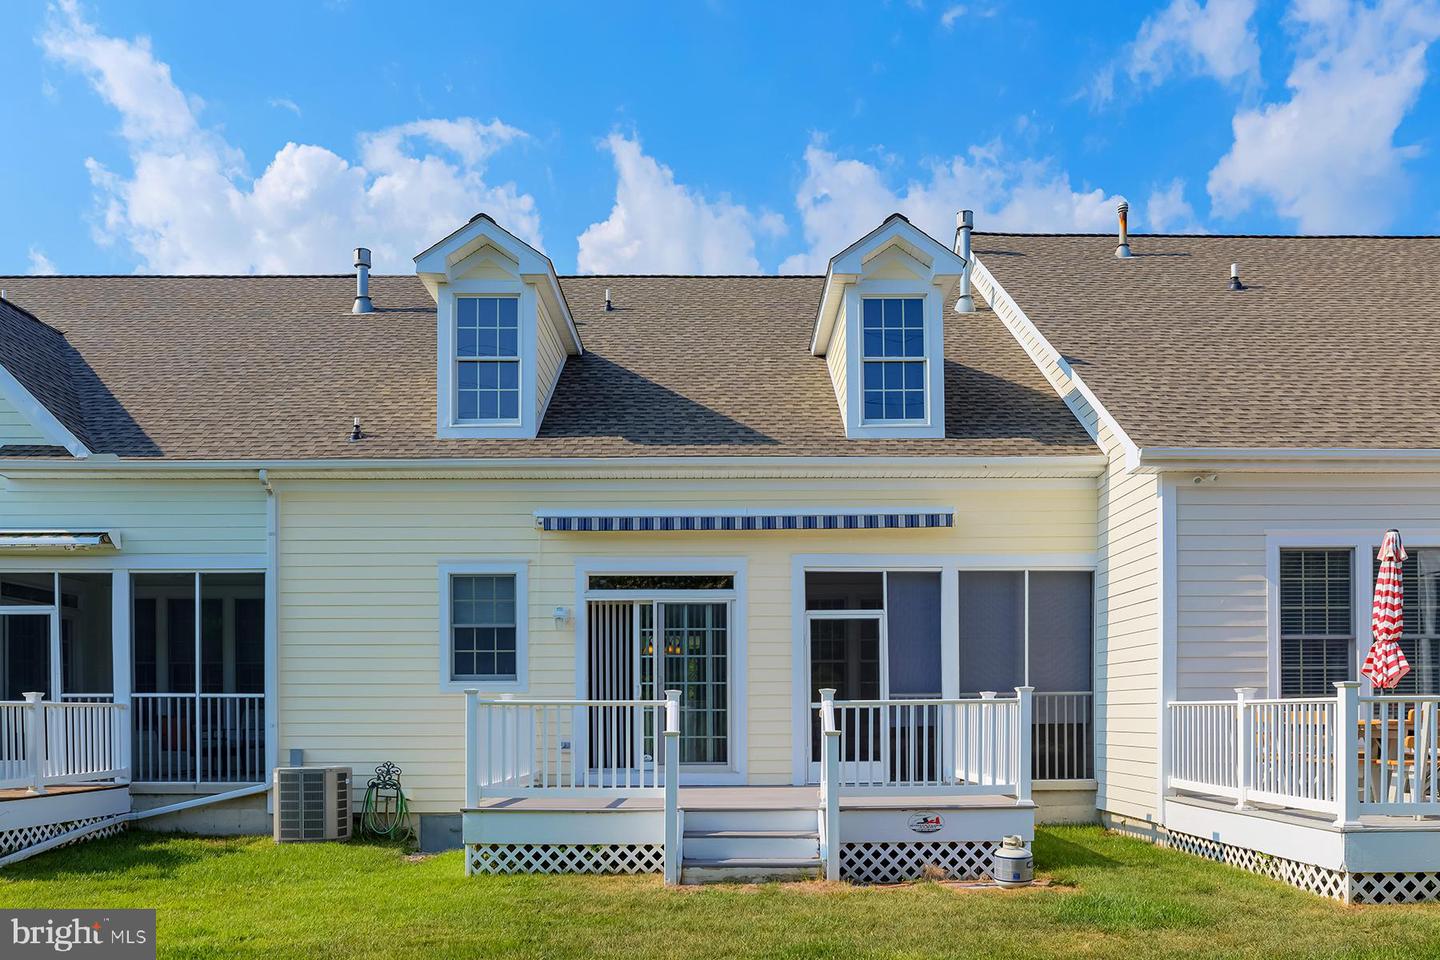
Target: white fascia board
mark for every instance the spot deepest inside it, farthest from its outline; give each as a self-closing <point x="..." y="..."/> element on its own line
<point x="1001" y="469"/>
<point x="1001" y="302"/>
<point x="1297" y="459"/>
<point x="849" y="265"/>
<point x="39" y="416"/>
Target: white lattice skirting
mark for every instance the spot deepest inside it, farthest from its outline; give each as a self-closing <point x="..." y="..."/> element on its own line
<point x="564" y="858"/>
<point x="13" y="841"/>
<point x="896" y="862"/>
<point x="1335" y="884"/>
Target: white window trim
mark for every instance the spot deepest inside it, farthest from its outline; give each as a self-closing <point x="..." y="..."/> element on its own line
<point x="448" y="425"/>
<point x="1362" y="543"/>
<point x="949" y="566"/>
<point x="933" y="424"/>
<point x="738" y="598"/>
<point x="519" y="569"/>
<point x="517" y="358"/>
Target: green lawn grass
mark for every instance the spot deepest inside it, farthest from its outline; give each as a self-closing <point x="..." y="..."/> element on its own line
<point x="1108" y="896"/>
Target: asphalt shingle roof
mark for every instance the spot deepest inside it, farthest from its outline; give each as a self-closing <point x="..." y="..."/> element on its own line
<point x="1334" y="342"/>
<point x="273" y="367"/>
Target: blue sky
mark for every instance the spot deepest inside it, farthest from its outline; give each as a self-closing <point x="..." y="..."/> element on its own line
<point x="721" y="137"/>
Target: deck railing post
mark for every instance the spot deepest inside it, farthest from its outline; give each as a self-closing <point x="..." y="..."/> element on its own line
<point x="1347" y="752"/>
<point x="472" y="749"/>
<point x="1025" y="706"/>
<point x="121" y="713"/>
<point x="1244" y="745"/>
<point x="672" y="787"/>
<point x="830" y="782"/>
<point x="35" y="740"/>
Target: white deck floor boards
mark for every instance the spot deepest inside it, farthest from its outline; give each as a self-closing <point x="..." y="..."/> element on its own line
<point x="745" y="798"/>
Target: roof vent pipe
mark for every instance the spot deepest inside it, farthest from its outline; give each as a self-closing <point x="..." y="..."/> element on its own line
<point x="1235" y="283"/>
<point x="608" y="305"/>
<point x="362" y="282"/>
<point x="1123" y="250"/>
<point x="964" y="223"/>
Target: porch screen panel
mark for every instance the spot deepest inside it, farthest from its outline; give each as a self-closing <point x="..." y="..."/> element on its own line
<point x="163" y="706"/>
<point x="992" y="631"/>
<point x="1317" y="621"/>
<point x="232" y="678"/>
<point x="912" y="613"/>
<point x="613" y="655"/>
<point x="86" y="651"/>
<point x="1061" y="630"/>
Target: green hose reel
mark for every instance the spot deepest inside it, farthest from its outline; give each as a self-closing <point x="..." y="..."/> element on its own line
<point x="386" y="813"/>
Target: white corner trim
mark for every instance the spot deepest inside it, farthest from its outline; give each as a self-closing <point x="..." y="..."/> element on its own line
<point x="39" y="415"/>
<point x="1021" y="326"/>
<point x="520" y="570"/>
<point x="1168" y="633"/>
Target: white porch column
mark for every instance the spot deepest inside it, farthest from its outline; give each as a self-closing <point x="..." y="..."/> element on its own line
<point x="472" y="749"/>
<point x="672" y="786"/>
<point x="830" y="782"/>
<point x="1025" y="706"/>
<point x="1244" y="745"/>
<point x="35" y="740"/>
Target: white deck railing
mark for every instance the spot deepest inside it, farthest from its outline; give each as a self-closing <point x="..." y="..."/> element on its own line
<point x="612" y="749"/>
<point x="47" y="744"/>
<point x="965" y="746"/>
<point x="1348" y="756"/>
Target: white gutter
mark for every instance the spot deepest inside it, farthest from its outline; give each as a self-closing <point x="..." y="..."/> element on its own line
<point x="133" y="815"/>
<point x="1157" y="459"/>
<point x="1065" y="465"/>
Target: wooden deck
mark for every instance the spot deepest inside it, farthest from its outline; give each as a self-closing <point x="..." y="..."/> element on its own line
<point x="20" y="793"/>
<point x="744" y="798"/>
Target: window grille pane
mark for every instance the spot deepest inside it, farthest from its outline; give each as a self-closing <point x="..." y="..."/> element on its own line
<point x="1317" y="639"/>
<point x="489" y="390"/>
<point x="482" y="625"/>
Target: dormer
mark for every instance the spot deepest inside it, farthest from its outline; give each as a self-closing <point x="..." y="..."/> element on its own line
<point x="503" y="331"/>
<point x="881" y="331"/>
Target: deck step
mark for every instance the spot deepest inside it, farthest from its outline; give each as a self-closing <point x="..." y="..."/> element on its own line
<point x="750" y="869"/>
<point x="790" y="820"/>
<point x="747" y="845"/>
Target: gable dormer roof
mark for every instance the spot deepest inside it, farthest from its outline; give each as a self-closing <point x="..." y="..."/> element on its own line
<point x="937" y="263"/>
<point x="37" y="379"/>
<point x="445" y="259"/>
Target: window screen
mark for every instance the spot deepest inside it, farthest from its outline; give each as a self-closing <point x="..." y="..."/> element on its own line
<point x="1317" y="621"/>
<point x="912" y="613"/>
<point x="992" y="631"/>
<point x="1061" y="618"/>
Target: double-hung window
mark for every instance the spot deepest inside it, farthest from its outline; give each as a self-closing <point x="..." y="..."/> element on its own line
<point x="893" y="359"/>
<point x="1317" y="621"/>
<point x="483" y="632"/>
<point x="487" y="356"/>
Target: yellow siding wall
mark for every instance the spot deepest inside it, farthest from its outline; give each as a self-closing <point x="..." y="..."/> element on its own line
<point x="14" y="428"/>
<point x="1127" y="594"/>
<point x="359" y="594"/>
<point x="1222" y="622"/>
<point x="191" y="518"/>
<point x="549" y="358"/>
<point x="835" y="359"/>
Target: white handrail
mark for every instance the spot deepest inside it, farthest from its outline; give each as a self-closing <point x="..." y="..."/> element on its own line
<point x="48" y="744"/>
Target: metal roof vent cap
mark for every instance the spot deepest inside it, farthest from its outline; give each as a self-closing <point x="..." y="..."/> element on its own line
<point x="1122" y="209"/>
<point x="1235" y="283"/>
<point x="964" y="225"/>
<point x="362" y="282"/>
<point x="609" y="304"/>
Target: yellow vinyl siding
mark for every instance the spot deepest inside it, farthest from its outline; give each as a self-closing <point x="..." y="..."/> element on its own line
<point x="835" y="359"/>
<point x="189" y="518"/>
<point x="1223" y="627"/>
<point x="1127" y="593"/>
<point x="359" y="593"/>
<point x="549" y="358"/>
<point x="15" y="428"/>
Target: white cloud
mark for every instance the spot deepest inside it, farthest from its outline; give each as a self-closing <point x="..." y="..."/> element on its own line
<point x="1167" y="210"/>
<point x="1215" y="39"/>
<point x="660" y="226"/>
<point x="950" y="15"/>
<point x="840" y="200"/>
<point x="41" y="265"/>
<point x="285" y="103"/>
<point x="1326" y="157"/>
<point x="189" y="206"/>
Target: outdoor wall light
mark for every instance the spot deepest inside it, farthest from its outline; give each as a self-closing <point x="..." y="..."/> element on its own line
<point x="562" y="616"/>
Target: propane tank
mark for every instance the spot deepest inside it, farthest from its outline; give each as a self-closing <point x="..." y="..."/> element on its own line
<point x="1012" y="864"/>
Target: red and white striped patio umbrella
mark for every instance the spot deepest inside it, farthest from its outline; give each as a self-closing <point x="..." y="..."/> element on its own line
<point x="1385" y="664"/>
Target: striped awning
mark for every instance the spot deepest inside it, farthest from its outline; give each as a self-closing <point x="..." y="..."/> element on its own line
<point x="759" y="521"/>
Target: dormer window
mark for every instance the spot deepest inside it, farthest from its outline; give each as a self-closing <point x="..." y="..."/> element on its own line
<point x="894" y="359"/>
<point x="881" y="330"/>
<point x="503" y="332"/>
<point x="487" y="357"/>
